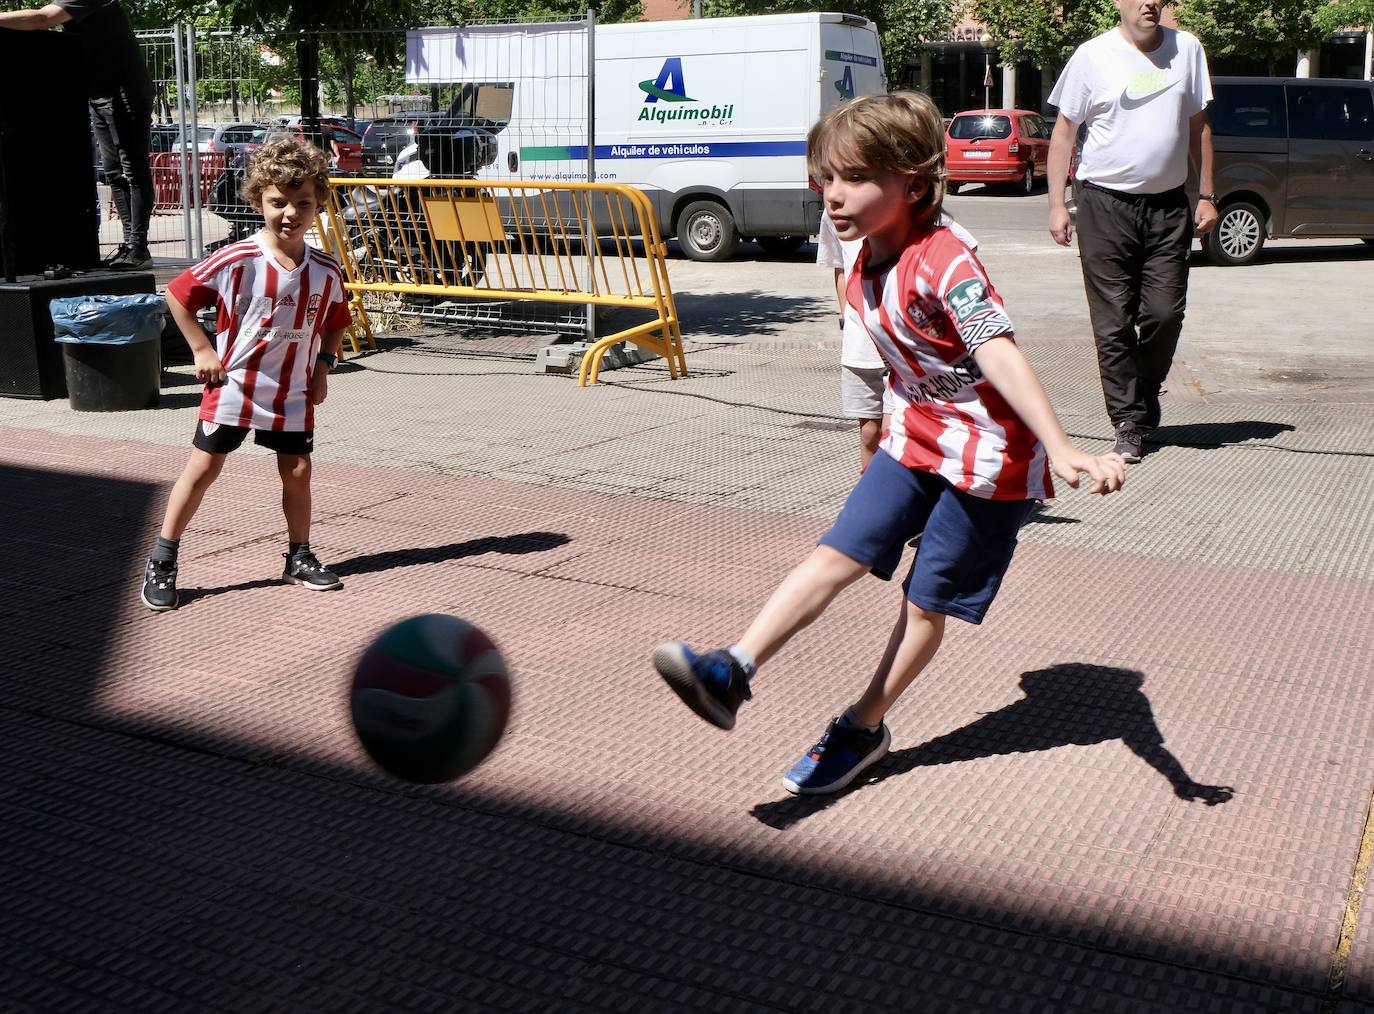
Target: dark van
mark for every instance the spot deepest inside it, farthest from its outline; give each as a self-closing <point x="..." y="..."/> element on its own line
<point x="1294" y="159"/>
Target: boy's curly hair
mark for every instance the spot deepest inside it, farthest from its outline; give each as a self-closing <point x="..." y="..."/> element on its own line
<point x="899" y="132"/>
<point x="285" y="162"/>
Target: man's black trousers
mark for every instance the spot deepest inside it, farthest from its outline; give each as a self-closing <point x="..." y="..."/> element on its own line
<point x="122" y="124"/>
<point x="1134" y="250"/>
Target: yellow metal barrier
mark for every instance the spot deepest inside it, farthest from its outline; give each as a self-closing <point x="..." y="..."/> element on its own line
<point x="592" y="243"/>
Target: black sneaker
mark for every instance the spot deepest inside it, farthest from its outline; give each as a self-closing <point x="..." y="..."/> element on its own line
<point x="713" y="685"/>
<point x="160" y="585"/>
<point x="130" y="259"/>
<point x="306" y="569"/>
<point x="119" y="252"/>
<point x="1128" y="440"/>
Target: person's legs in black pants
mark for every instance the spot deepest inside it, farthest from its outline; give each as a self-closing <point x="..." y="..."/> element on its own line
<point x="1111" y="249"/>
<point x="121" y="126"/>
<point x="1168" y="241"/>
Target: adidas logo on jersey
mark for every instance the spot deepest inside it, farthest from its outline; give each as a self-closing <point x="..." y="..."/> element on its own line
<point x="287" y="300"/>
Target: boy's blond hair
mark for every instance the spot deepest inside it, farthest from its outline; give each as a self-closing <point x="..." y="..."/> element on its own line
<point x="899" y="132"/>
<point x="285" y="162"/>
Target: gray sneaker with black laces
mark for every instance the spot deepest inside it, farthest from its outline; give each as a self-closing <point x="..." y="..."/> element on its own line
<point x="306" y="569"/>
<point x="1128" y="441"/>
<point x="160" y="585"/>
<point x="129" y="258"/>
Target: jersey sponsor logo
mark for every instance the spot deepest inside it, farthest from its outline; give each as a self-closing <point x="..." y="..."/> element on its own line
<point x="966" y="297"/>
<point x="944" y="386"/>
<point x="1145" y="87"/>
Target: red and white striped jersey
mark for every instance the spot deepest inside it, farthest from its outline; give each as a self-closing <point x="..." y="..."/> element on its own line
<point x="269" y="323"/>
<point x="928" y="311"/>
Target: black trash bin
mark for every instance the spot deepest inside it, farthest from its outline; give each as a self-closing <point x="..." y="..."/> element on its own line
<point x="111" y="350"/>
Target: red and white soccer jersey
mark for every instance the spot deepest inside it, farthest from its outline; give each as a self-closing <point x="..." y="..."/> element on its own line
<point x="269" y="322"/>
<point x="928" y="312"/>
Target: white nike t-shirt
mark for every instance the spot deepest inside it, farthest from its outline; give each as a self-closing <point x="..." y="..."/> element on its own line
<point x="1137" y="106"/>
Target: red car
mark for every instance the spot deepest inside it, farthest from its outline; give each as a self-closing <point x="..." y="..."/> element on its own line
<point x="996" y="146"/>
<point x="345" y="145"/>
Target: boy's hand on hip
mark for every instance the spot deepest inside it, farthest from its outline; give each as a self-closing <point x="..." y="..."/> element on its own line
<point x="319" y="386"/>
<point x="209" y="370"/>
<point x="1107" y="471"/>
<point x="1061" y="225"/>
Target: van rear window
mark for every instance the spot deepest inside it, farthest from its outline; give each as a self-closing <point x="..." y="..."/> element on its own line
<point x="966" y="128"/>
<point x="1248" y="110"/>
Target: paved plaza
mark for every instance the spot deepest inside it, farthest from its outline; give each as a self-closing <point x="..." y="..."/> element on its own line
<point x="1142" y="785"/>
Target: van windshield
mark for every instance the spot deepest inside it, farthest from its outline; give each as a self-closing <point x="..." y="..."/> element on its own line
<point x="966" y="128"/>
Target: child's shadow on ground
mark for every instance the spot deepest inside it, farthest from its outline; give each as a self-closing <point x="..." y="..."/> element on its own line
<point x="524" y="542"/>
<point x="1066" y="704"/>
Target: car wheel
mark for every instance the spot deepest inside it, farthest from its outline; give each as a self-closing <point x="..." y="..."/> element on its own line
<point x="1027" y="185"/>
<point x="1238" y="236"/>
<point x="780" y="244"/>
<point x="1368" y="240"/>
<point x="707" y="232"/>
<point x="951" y="186"/>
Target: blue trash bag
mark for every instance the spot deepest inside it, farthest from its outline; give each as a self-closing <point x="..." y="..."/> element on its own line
<point x="107" y="320"/>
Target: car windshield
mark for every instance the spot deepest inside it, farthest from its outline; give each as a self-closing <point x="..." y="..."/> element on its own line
<point x="967" y="128"/>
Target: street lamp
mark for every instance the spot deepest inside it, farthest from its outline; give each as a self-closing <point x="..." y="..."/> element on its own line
<point x="989" y="44"/>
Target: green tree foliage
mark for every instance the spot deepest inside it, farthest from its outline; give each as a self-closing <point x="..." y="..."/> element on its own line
<point x="904" y="26"/>
<point x="1331" y="18"/>
<point x="1040" y="32"/>
<point x="1266" y="29"/>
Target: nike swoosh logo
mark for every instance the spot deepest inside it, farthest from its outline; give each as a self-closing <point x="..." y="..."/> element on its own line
<point x="1129" y="101"/>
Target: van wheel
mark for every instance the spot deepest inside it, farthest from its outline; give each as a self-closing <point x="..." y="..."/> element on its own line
<point x="1239" y="235"/>
<point x="707" y="232"/>
<point x="777" y="245"/>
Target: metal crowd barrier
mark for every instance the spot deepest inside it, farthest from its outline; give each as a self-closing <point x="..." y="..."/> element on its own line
<point x="591" y="243"/>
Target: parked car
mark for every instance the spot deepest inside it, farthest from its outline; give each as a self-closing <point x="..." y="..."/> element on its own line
<point x="164" y="137"/>
<point x="345" y="145"/>
<point x="231" y="137"/>
<point x="1294" y="158"/>
<point x="996" y="146"/>
<point x="386" y="137"/>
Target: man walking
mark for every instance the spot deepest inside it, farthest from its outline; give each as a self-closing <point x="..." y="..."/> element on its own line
<point x="121" y="102"/>
<point x="1141" y="90"/>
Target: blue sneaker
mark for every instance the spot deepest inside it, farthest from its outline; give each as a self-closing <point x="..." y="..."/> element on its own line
<point x="713" y="685"/>
<point x="841" y="756"/>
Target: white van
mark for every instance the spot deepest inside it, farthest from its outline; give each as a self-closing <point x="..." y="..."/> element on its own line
<point x="709" y="116"/>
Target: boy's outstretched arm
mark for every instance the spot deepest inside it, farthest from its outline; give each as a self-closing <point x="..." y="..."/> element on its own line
<point x="209" y="369"/>
<point x="1007" y="369"/>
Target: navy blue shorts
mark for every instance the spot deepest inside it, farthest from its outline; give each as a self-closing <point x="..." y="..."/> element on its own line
<point x="966" y="541"/>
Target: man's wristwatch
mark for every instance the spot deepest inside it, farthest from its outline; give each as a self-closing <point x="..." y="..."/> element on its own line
<point x="1209" y="198"/>
<point x="327" y="359"/>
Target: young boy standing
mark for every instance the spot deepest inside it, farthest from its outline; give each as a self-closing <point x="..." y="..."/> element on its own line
<point x="281" y="312"/>
<point x="970" y="450"/>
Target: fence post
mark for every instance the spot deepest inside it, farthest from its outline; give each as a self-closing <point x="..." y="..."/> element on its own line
<point x="180" y="71"/>
<point x="591" y="162"/>
<point x="197" y="227"/>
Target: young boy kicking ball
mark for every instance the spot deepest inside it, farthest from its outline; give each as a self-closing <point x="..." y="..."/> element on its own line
<point x="971" y="446"/>
<point x="281" y="311"/>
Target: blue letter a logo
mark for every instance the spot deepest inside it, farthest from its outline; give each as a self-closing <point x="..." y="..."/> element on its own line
<point x="845" y="86"/>
<point x="669" y="85"/>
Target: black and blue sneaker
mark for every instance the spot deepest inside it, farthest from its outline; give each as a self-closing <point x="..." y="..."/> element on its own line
<point x="842" y="754"/>
<point x="713" y="685"/>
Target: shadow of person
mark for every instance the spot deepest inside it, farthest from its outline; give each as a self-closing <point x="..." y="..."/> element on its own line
<point x="1069" y="704"/>
<point x="1214" y="435"/>
<point x="519" y="544"/>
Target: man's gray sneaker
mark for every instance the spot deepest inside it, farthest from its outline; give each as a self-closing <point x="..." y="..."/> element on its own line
<point x="130" y="259"/>
<point x="306" y="569"/>
<point x="1128" y="440"/>
<point x="160" y="585"/>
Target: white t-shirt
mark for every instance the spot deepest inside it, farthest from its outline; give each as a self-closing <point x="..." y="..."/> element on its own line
<point x="858" y="351"/>
<point x="1137" y="106"/>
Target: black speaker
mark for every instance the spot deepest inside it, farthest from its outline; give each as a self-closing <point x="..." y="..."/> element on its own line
<point x="30" y="361"/>
<point x="49" y="210"/>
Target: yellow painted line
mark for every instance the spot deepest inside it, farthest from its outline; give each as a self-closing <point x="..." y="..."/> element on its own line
<point x="1354" y="895"/>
